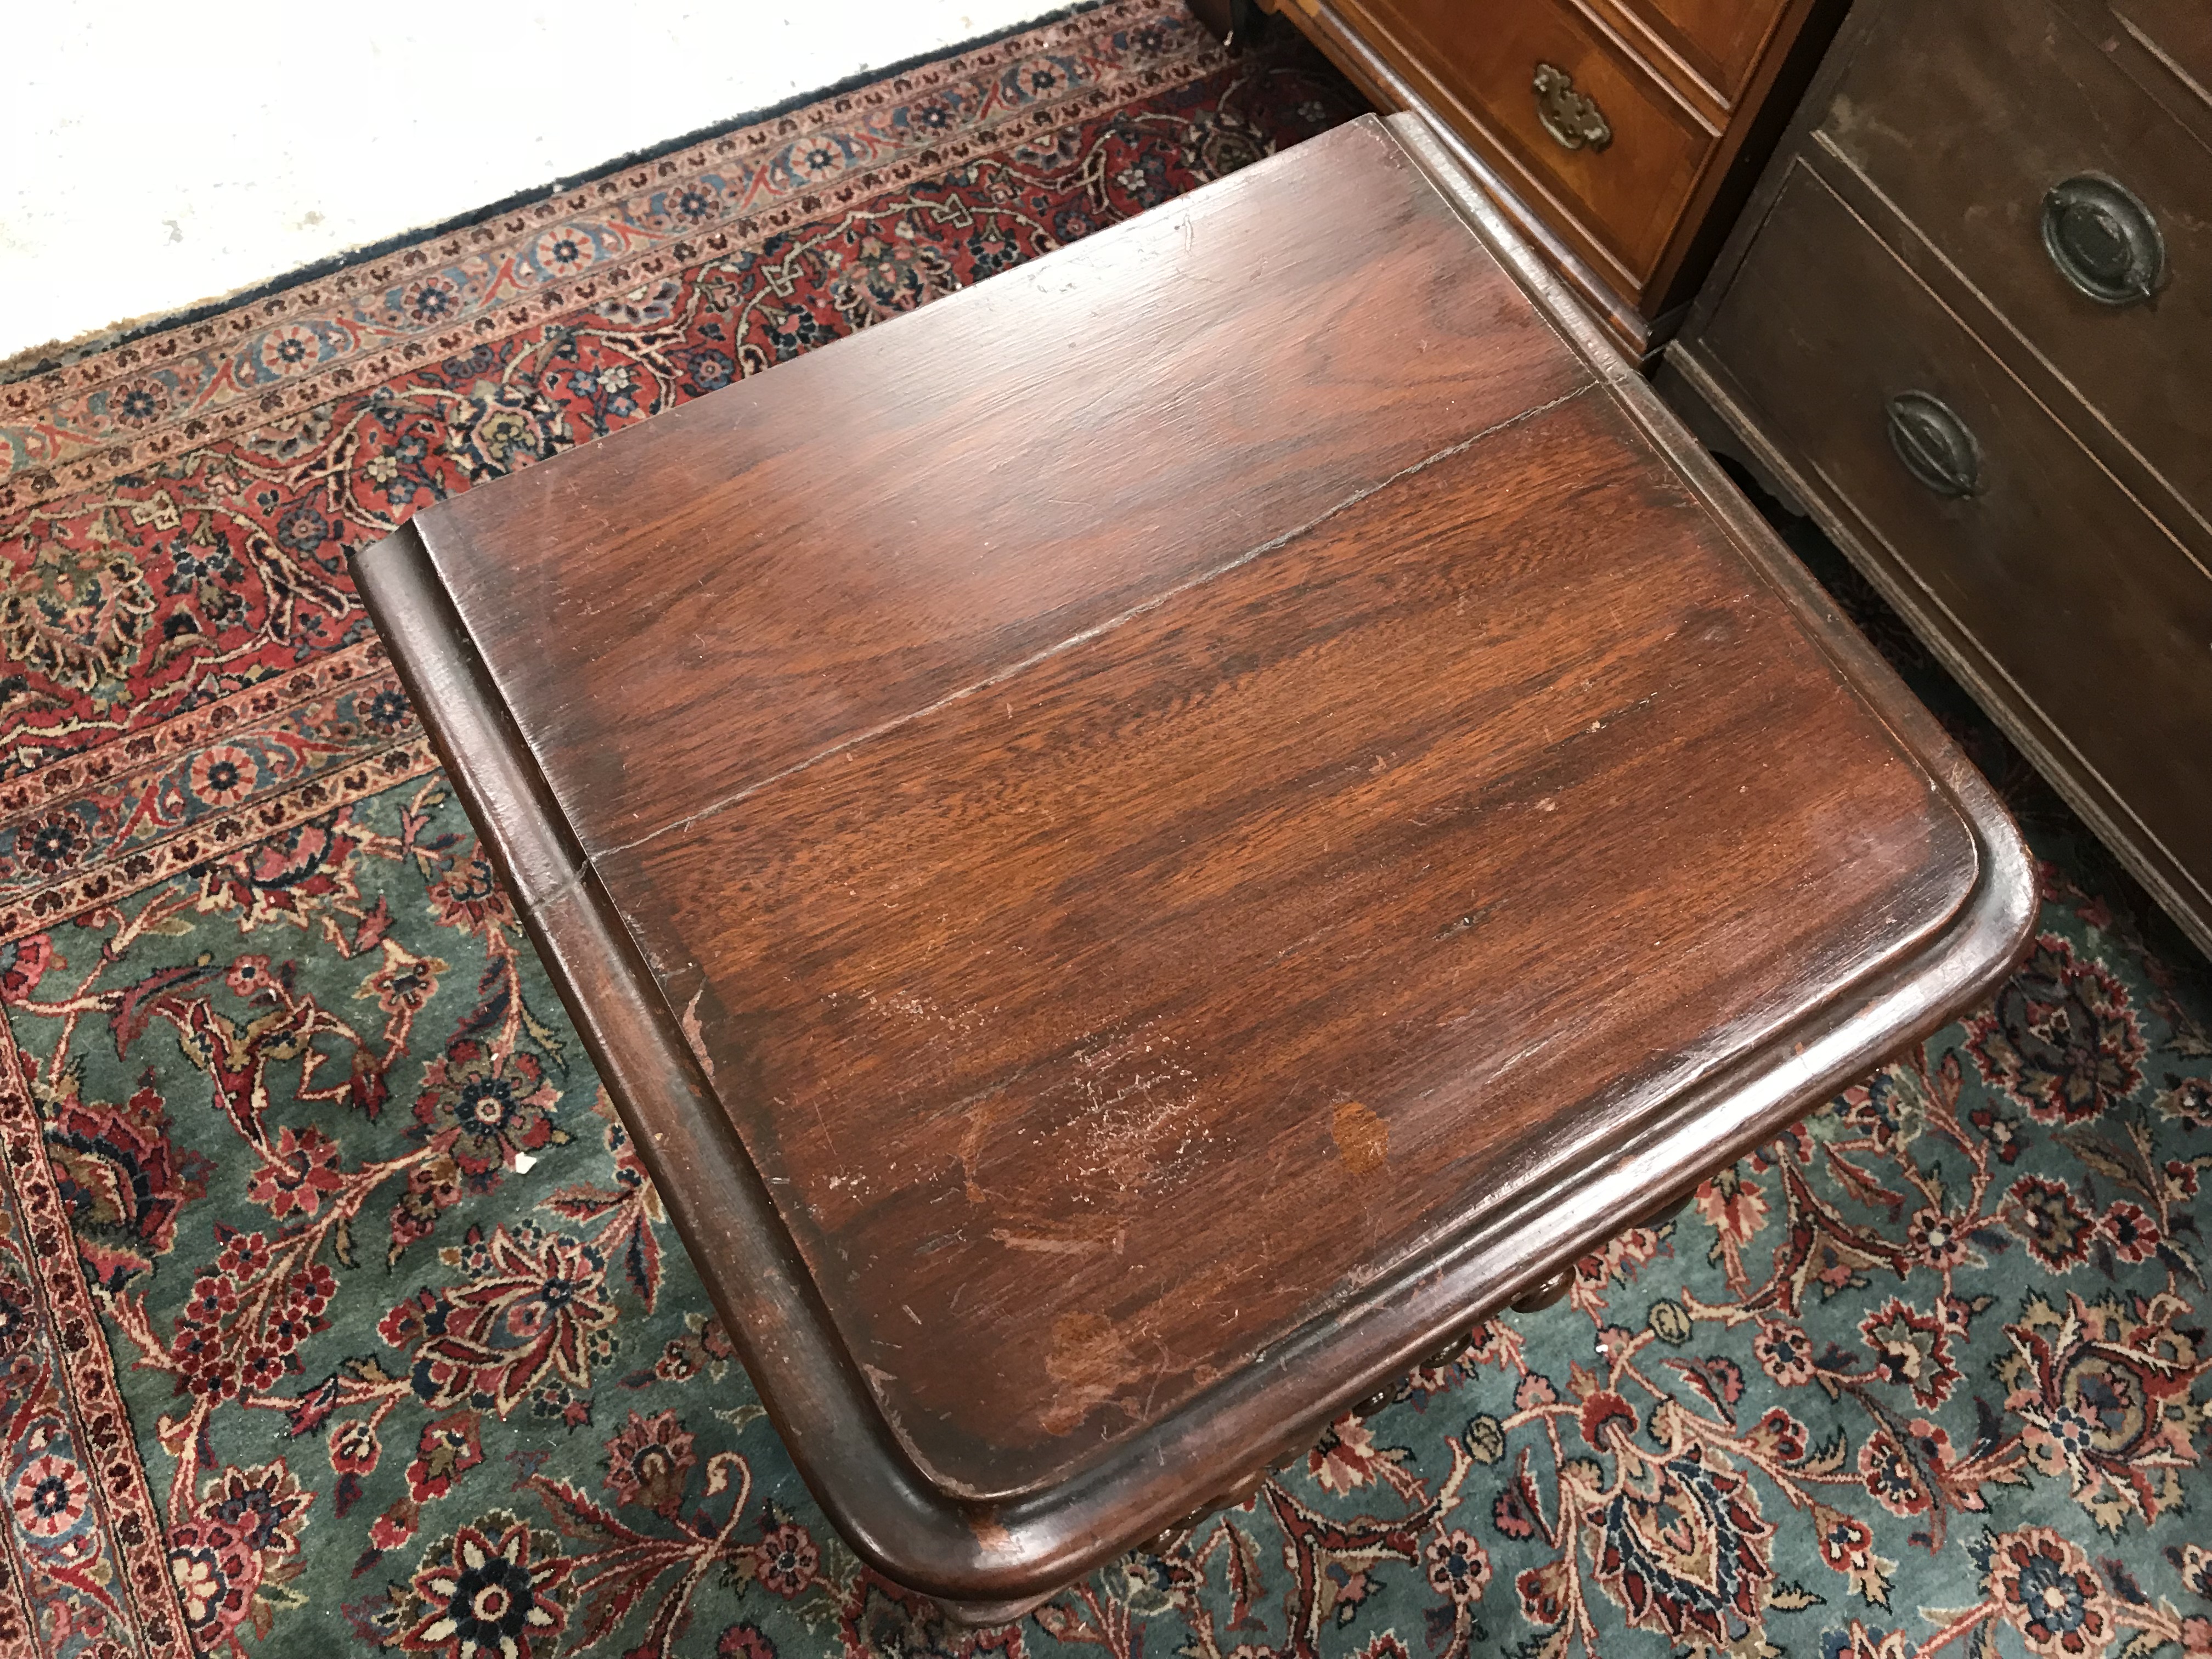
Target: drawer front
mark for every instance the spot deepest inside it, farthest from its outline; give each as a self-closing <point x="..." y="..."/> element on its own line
<point x="2094" y="615"/>
<point x="1719" y="39"/>
<point x="1965" y="115"/>
<point x="2178" y="33"/>
<point x="1627" y="194"/>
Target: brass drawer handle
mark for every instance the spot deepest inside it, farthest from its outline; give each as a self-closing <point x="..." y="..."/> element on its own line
<point x="1934" y="444"/>
<point x="2103" y="239"/>
<point x="1571" y="116"/>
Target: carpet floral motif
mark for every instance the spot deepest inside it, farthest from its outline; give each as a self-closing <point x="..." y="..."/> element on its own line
<point x="337" y="1314"/>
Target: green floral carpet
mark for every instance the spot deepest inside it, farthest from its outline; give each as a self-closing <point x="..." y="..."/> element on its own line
<point x="335" y="1313"/>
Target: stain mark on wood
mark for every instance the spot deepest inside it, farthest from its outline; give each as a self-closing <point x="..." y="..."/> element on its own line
<point x="1362" y="1137"/>
<point x="1088" y="1359"/>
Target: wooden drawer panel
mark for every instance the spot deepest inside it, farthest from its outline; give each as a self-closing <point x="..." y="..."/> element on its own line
<point x="2082" y="602"/>
<point x="1718" y="41"/>
<point x="1965" y="115"/>
<point x="1627" y="196"/>
<point x="2178" y="33"/>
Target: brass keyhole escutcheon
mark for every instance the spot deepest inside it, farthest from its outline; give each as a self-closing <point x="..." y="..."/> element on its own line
<point x="1571" y="118"/>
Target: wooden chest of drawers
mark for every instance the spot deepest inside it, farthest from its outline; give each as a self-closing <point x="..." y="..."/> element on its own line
<point x="1621" y="136"/>
<point x="1968" y="320"/>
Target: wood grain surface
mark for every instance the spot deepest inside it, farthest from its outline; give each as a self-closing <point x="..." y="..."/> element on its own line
<point x="884" y="523"/>
<point x="1208" y="964"/>
<point x="2070" y="585"/>
<point x="1141" y="843"/>
<point x="2178" y="33"/>
<point x="1695" y="92"/>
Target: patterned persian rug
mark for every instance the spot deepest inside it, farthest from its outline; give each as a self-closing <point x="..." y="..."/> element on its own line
<point x="337" y="1318"/>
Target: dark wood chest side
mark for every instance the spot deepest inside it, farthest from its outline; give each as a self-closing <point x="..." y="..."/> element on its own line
<point x="1967" y="321"/>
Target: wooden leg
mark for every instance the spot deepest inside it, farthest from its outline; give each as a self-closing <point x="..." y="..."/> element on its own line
<point x="978" y="1616"/>
<point x="1660" y="1216"/>
<point x="1684" y="393"/>
<point x="1233" y="22"/>
<point x="1545" y="1291"/>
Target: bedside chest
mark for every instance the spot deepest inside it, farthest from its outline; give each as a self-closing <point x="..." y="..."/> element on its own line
<point x="1967" y="322"/>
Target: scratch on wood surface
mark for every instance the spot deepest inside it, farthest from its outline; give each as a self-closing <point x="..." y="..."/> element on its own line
<point x="1045" y="1245"/>
<point x="690" y="1024"/>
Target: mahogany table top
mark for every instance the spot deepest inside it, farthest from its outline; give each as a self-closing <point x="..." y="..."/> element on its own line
<point x="1140" y="843"/>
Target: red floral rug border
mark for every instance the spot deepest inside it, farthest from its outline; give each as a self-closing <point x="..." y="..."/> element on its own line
<point x="271" y="816"/>
<point x="94" y="829"/>
<point x="63" y="1380"/>
<point x="138" y="405"/>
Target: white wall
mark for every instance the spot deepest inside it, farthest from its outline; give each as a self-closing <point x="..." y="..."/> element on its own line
<point x="154" y="156"/>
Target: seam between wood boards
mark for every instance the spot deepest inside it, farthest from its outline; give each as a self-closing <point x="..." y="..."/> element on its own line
<point x="1082" y="636"/>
